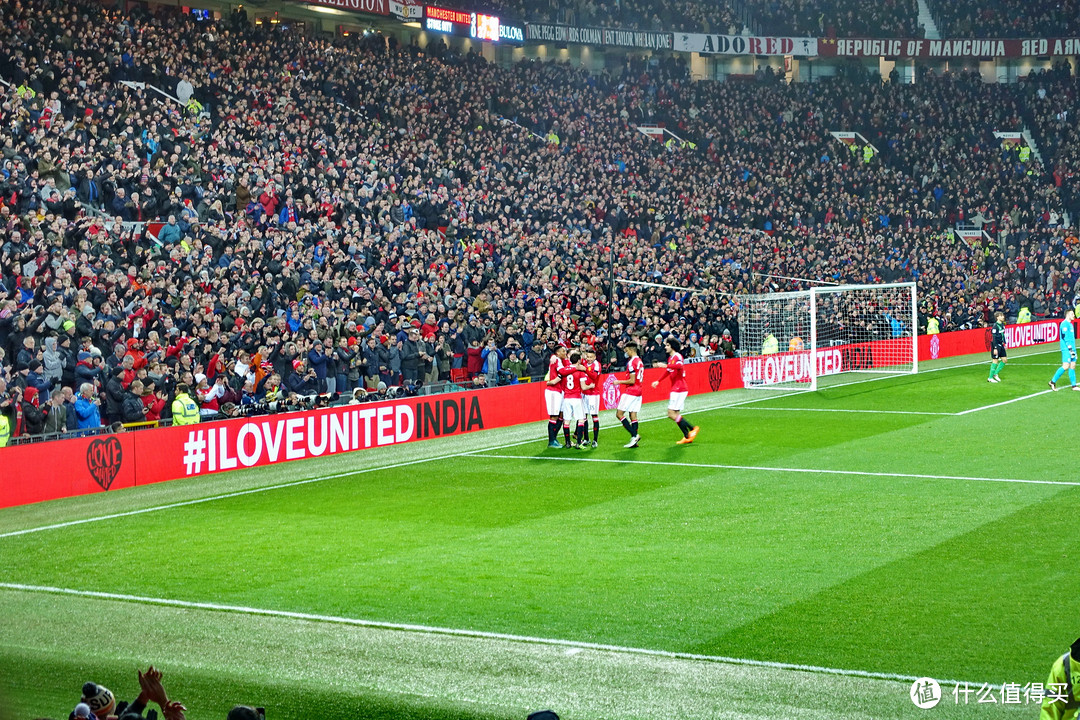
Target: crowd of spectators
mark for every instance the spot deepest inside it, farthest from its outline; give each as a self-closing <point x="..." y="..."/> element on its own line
<point x="98" y="702"/>
<point x="350" y="213"/>
<point x="837" y="18"/>
<point x="647" y="15"/>
<point x="1006" y="18"/>
<point x="807" y="18"/>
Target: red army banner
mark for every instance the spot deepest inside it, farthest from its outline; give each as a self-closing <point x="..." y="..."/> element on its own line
<point x="959" y="48"/>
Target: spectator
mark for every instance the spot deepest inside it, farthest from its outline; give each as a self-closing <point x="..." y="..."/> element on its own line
<point x="132" y="409"/>
<point x="87" y="408"/>
<point x="33" y="419"/>
<point x="56" y="416"/>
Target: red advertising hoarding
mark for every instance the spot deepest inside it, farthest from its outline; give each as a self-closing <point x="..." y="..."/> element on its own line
<point x="80" y="466"/>
<point x="65" y="468"/>
<point x="109" y="462"/>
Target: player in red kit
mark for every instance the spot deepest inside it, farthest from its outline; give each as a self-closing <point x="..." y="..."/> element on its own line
<point x="677" y="398"/>
<point x="553" y="394"/>
<point x="630" y="400"/>
<point x="574" y="381"/>
<point x="592" y="393"/>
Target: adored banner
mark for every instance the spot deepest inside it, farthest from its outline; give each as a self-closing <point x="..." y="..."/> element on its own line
<point x="961" y="48"/>
<point x="745" y="45"/>
<point x="542" y="32"/>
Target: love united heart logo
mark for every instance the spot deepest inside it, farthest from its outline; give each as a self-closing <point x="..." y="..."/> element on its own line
<point x="104" y="458"/>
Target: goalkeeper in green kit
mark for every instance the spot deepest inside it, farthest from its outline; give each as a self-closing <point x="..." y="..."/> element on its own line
<point x="1068" y="351"/>
<point x="998" y="357"/>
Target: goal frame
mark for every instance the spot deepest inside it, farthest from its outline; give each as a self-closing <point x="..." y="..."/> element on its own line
<point x="812" y="346"/>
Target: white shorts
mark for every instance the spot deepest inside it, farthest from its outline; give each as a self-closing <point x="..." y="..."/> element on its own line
<point x="573" y="408"/>
<point x="676" y="400"/>
<point x="630" y="403"/>
<point x="553" y="400"/>
<point x="592" y="404"/>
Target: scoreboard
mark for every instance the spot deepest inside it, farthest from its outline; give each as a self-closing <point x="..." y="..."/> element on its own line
<point x="469" y="24"/>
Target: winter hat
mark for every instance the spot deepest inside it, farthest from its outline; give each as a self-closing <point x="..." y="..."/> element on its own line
<point x="99" y="698"/>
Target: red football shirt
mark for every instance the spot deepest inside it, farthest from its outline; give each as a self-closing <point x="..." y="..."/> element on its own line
<point x="636" y="370"/>
<point x="554" y="365"/>
<point x="592" y="376"/>
<point x="676" y="374"/>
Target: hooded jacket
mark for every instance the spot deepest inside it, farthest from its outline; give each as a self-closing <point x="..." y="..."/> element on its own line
<point x="53" y="360"/>
<point x="33" y="417"/>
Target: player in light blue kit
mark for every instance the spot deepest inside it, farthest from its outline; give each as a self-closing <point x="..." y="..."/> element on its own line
<point x="1068" y="351"/>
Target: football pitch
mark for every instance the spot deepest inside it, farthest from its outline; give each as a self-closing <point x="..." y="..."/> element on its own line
<point x="808" y="556"/>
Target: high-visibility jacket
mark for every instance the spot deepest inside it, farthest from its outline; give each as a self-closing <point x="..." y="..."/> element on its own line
<point x="1025" y="154"/>
<point x="867" y="153"/>
<point x="933" y="327"/>
<point x="5" y="431"/>
<point x="1059" y="702"/>
<point x="770" y="346"/>
<point x="1024" y="316"/>
<point x="194" y="106"/>
<point x="184" y="410"/>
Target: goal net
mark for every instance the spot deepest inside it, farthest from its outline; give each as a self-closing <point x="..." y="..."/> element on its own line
<point x="792" y="340"/>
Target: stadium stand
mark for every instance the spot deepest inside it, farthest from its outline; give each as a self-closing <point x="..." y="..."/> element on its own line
<point x="1006" y="18"/>
<point x="324" y="215"/>
<point x="836" y="18"/>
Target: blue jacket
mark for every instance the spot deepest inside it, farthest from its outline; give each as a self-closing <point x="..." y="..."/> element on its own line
<point x="87" y="413"/>
<point x="170" y="234"/>
<point x="492" y="361"/>
<point x="34" y="379"/>
<point x="318" y="363"/>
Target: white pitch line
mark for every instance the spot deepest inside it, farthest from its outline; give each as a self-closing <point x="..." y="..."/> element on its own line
<point x="849" y="410"/>
<point x="361" y="471"/>
<point x="252" y="491"/>
<point x="318" y="478"/>
<point x="763" y="468"/>
<point x="1005" y="402"/>
<point x="477" y="634"/>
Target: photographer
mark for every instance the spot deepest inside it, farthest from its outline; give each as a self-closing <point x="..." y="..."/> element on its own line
<point x="132" y="409"/>
<point x="88" y="408"/>
<point x="301" y="381"/>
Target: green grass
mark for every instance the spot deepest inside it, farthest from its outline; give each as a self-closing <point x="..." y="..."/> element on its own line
<point x="715" y="549"/>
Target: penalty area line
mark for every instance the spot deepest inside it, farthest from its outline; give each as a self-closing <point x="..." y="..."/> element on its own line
<point x="764" y="468"/>
<point x="465" y="633"/>
<point x="846" y="410"/>
<point x="1004" y="402"/>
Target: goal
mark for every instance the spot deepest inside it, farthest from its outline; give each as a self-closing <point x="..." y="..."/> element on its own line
<point x="791" y="340"/>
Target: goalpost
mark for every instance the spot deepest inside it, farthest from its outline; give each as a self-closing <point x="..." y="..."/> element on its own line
<point x="788" y="341"/>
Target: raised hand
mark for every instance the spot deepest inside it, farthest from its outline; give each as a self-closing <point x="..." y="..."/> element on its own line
<point x="150" y="682"/>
